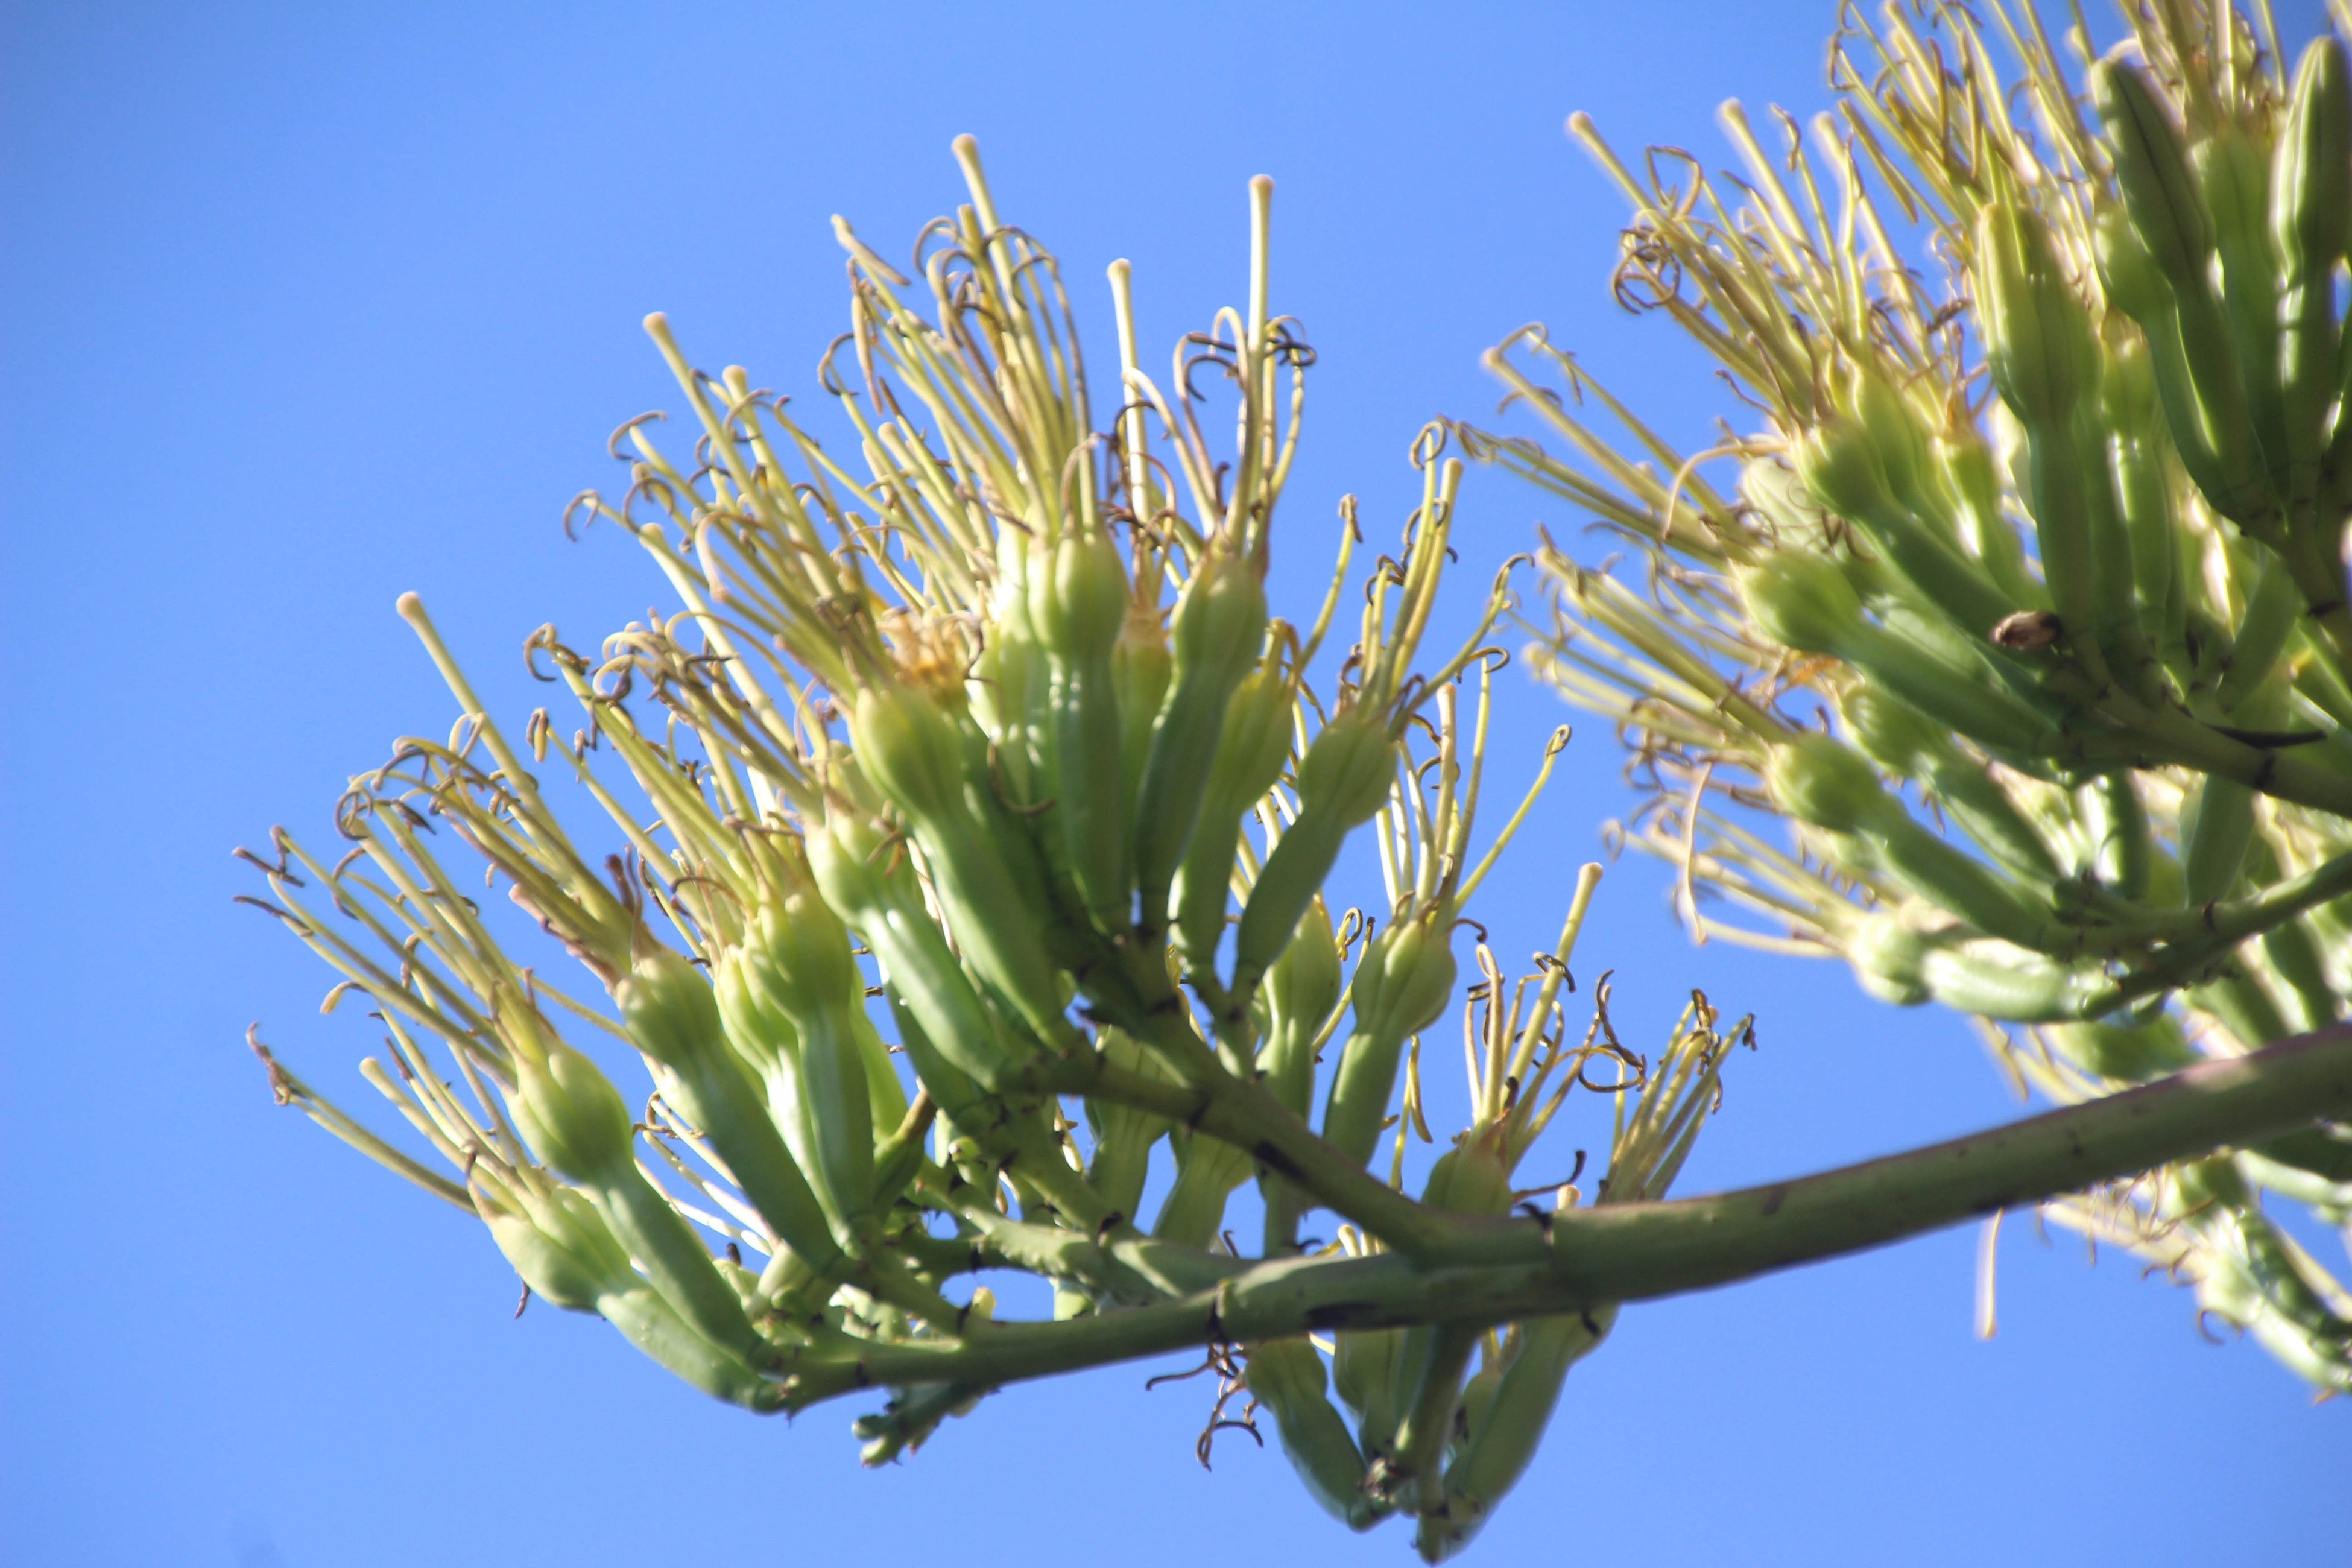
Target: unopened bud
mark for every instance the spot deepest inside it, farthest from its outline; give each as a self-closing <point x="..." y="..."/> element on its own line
<point x="2037" y="333"/>
<point x="2311" y="172"/>
<point x="1079" y="601"/>
<point x="570" y="1115"/>
<point x="666" y="1007"/>
<point x="1826" y="782"/>
<point x="1840" y="463"/>
<point x="908" y="748"/>
<point x="1801" y="600"/>
<point x="2152" y="170"/>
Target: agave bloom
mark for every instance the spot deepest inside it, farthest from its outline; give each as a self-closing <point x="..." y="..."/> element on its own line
<point x="956" y="843"/>
<point x="2021" y="596"/>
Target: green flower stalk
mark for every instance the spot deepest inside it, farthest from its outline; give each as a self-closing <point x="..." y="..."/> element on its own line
<point x="2023" y="604"/>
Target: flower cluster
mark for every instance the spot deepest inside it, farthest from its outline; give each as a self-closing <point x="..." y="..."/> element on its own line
<point x="969" y="785"/>
<point x="2024" y="603"/>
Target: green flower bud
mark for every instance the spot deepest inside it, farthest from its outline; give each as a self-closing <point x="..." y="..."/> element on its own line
<point x="2127" y="390"/>
<point x="1800" y="599"/>
<point x="2311" y="217"/>
<point x="2234" y="179"/>
<point x="1895" y="433"/>
<point x="1404" y="981"/>
<point x="871" y="883"/>
<point x="1287" y="1378"/>
<point x="1256" y="738"/>
<point x="2129" y="275"/>
<point x="1300" y="991"/>
<point x="1503" y="1441"/>
<point x="1219" y="625"/>
<point x="1469" y="1178"/>
<point x="1140" y="665"/>
<point x="1895" y="735"/>
<point x="1890" y="960"/>
<point x="1824" y="782"/>
<point x="1838" y="461"/>
<point x="1478" y="1400"/>
<point x="1251" y="749"/>
<point x="1984" y="533"/>
<point x="1221" y="620"/>
<point x="2216" y="826"/>
<point x="1349" y="768"/>
<point x="1402" y="986"/>
<point x="2037" y="333"/>
<point x="667" y="1007"/>
<point x="1364" y="1373"/>
<point x="561" y="1249"/>
<point x="761" y="1034"/>
<point x="908" y="748"/>
<point x="1079" y="601"/>
<point x="2131" y="1054"/>
<point x="2152" y="169"/>
<point x="797" y="952"/>
<point x="574" y="1119"/>
<point x="2311" y="171"/>
<point x="1343" y="780"/>
<point x="2234" y="176"/>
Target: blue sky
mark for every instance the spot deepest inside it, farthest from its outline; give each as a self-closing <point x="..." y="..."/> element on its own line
<point x="311" y="305"/>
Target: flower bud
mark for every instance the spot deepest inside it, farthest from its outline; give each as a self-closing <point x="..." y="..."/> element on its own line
<point x="1839" y="461"/>
<point x="561" y="1249"/>
<point x="2234" y="179"/>
<point x="1800" y="599"/>
<point x="1300" y="991"/>
<point x="2037" y="333"/>
<point x="1469" y="1178"/>
<point x="1404" y="980"/>
<point x="1250" y="748"/>
<point x="2152" y="170"/>
<point x="666" y="1007"/>
<point x="1140" y="665"/>
<point x="797" y="951"/>
<point x="909" y="747"/>
<point x="569" y="1112"/>
<point x="1402" y="986"/>
<point x="2133" y="282"/>
<point x="2131" y="1054"/>
<point x="1826" y="782"/>
<point x="2311" y="171"/>
<point x="1349" y="768"/>
<point x="1895" y="735"/>
<point x="1079" y="601"/>
<point x="2311" y="219"/>
<point x="1889" y="959"/>
<point x="1220" y="619"/>
<point x="1894" y="431"/>
<point x="1287" y="1377"/>
<point x="1219" y="625"/>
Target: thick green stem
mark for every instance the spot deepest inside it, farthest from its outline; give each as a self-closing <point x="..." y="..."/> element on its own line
<point x="1500" y="1270"/>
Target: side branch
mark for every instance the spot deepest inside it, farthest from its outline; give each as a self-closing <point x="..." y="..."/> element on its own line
<point x="1502" y="1270"/>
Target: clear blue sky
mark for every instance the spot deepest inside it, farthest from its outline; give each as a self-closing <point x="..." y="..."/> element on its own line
<point x="310" y="305"/>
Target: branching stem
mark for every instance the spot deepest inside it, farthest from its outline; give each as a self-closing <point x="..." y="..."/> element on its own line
<point x="1500" y="1270"/>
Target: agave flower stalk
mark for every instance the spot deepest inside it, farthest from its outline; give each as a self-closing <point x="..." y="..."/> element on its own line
<point x="2024" y="601"/>
<point x="903" y="852"/>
